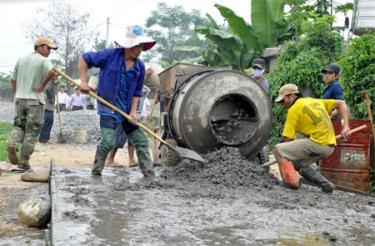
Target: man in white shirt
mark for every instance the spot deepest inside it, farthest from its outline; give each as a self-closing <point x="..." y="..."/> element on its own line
<point x="77" y="101"/>
<point x="63" y="99"/>
<point x="145" y="109"/>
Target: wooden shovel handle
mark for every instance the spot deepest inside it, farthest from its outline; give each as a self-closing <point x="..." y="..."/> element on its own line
<point x="114" y="108"/>
<point x="357" y="129"/>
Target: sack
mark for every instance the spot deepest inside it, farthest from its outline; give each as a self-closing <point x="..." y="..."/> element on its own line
<point x="36" y="212"/>
<point x="36" y="175"/>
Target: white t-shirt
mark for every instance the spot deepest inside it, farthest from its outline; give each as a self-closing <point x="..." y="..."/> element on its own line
<point x="145" y="107"/>
<point x="63" y="98"/>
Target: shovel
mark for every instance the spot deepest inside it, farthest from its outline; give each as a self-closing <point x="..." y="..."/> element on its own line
<point x="182" y="152"/>
<point x="60" y="137"/>
<point x="357" y="129"/>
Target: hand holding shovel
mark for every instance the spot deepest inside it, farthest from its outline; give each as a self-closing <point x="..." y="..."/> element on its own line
<point x="182" y="152"/>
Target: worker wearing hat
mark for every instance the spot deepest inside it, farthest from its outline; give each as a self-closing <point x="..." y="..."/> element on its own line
<point x="309" y="117"/>
<point x="258" y="69"/>
<point x="120" y="83"/>
<point x="332" y="89"/>
<point x="29" y="78"/>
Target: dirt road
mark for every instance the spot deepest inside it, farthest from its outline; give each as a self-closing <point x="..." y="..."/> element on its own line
<point x="13" y="191"/>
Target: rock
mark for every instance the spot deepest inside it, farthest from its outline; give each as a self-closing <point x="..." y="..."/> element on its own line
<point x="35" y="212"/>
<point x="36" y="175"/>
<point x="6" y="166"/>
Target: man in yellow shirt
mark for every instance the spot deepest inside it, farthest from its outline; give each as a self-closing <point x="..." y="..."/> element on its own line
<point x="311" y="118"/>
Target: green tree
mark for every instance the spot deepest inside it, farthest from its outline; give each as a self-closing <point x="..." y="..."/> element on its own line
<point x="301" y="62"/>
<point x="173" y="29"/>
<point x="67" y="27"/>
<point x="239" y="42"/>
<point x="358" y="73"/>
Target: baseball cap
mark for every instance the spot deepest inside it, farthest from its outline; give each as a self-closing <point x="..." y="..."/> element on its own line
<point x="287" y="90"/>
<point x="46" y="41"/>
<point x="258" y="62"/>
<point x="331" y="68"/>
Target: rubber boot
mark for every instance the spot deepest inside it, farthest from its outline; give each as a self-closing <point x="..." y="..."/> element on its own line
<point x="315" y="177"/>
<point x="108" y="138"/>
<point x="139" y="140"/>
<point x="99" y="161"/>
<point x="145" y="162"/>
<point x="289" y="175"/>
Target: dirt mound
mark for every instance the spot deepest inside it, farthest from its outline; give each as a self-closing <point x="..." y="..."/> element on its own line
<point x="225" y="167"/>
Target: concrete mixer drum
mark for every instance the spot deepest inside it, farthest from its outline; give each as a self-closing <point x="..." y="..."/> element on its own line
<point x="215" y="107"/>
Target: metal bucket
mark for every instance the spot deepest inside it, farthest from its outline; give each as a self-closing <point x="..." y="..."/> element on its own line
<point x="219" y="108"/>
<point x="350" y="163"/>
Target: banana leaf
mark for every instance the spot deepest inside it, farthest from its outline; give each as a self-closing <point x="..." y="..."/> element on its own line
<point x="242" y="29"/>
<point x="267" y="20"/>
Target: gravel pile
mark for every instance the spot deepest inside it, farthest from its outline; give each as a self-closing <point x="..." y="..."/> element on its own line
<point x="225" y="167"/>
<point x="77" y="127"/>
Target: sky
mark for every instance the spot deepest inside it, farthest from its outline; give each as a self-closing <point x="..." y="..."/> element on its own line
<point x="15" y="13"/>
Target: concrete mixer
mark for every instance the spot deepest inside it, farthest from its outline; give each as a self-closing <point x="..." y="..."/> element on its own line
<point x="206" y="108"/>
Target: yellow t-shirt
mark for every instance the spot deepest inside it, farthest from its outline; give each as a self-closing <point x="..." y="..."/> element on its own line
<point x="310" y="117"/>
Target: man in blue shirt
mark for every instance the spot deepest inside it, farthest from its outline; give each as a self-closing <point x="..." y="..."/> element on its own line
<point x="120" y="83"/>
<point x="332" y="89"/>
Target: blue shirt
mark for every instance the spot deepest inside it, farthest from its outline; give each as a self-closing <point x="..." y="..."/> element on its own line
<point x="333" y="91"/>
<point x="116" y="85"/>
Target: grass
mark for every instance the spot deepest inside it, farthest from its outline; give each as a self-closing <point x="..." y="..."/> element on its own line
<point x="5" y="129"/>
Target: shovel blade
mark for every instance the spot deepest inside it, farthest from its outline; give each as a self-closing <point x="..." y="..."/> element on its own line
<point x="61" y="138"/>
<point x="188" y="154"/>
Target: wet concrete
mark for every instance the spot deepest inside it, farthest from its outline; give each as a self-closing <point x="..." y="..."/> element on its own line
<point x="227" y="201"/>
<point x="14" y="232"/>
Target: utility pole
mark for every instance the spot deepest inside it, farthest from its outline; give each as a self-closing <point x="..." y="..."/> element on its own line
<point x="107" y="34"/>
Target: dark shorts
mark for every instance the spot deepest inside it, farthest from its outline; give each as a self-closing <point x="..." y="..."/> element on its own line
<point x="120" y="137"/>
<point x="74" y="108"/>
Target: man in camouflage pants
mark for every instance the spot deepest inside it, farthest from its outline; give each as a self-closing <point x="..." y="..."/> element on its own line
<point x="30" y="76"/>
<point x="121" y="80"/>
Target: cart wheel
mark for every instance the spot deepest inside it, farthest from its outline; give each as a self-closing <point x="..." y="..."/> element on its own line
<point x="167" y="156"/>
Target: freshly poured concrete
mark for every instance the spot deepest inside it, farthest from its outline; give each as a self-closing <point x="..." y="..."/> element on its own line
<point x="227" y="201"/>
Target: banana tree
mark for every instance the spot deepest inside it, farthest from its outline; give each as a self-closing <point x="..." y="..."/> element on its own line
<point x="240" y="42"/>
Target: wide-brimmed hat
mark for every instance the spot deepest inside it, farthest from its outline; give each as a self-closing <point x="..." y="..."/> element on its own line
<point x="287" y="90"/>
<point x="45" y="41"/>
<point x="135" y="36"/>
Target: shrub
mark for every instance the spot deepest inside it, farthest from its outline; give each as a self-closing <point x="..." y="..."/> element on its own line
<point x="358" y="73"/>
<point x="300" y="63"/>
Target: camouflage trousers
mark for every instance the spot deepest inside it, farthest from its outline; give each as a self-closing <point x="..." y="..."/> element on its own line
<point x="26" y="126"/>
<point x="107" y="142"/>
